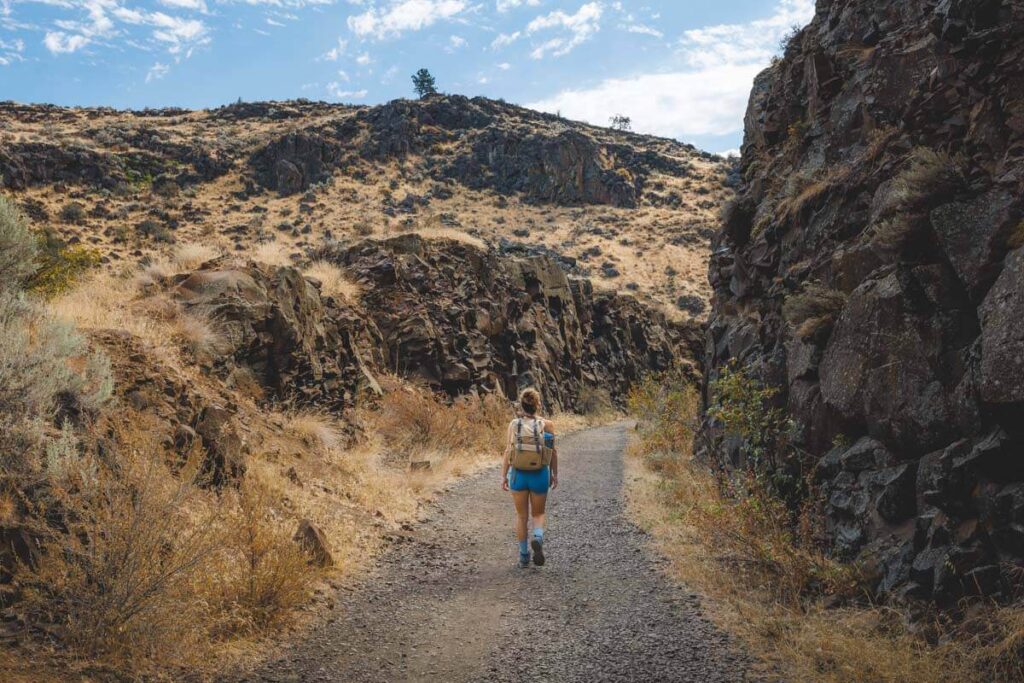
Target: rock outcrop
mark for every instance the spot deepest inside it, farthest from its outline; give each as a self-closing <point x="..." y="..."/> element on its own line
<point x="872" y="269"/>
<point x="464" y="319"/>
<point x="276" y="333"/>
<point x="294" y="162"/>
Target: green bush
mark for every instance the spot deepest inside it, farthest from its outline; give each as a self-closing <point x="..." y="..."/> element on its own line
<point x="17" y="247"/>
<point x="41" y="359"/>
<point x="58" y="266"/>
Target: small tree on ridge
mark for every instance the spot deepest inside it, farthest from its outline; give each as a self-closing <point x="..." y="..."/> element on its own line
<point x="424" y="83"/>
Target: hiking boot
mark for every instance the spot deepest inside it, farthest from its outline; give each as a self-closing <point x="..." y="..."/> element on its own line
<point x="538" y="551"/>
<point x="524" y="561"/>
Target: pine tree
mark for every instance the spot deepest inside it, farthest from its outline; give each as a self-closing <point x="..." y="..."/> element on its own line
<point x="424" y="83"/>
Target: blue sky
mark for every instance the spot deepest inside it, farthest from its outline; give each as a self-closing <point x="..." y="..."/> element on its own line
<point x="678" y="68"/>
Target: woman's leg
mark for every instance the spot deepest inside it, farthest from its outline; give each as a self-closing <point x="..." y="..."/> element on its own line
<point x="522" y="503"/>
<point x="537" y="503"/>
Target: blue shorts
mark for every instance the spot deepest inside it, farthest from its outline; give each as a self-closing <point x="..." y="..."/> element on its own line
<point x="534" y="481"/>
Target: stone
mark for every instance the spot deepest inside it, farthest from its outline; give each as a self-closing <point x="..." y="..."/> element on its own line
<point x="314" y="543"/>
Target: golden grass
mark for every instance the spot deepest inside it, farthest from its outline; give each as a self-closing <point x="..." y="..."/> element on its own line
<point x="772" y="591"/>
<point x="272" y="253"/>
<point x="333" y="281"/>
<point x="191" y="255"/>
<point x="317" y="430"/>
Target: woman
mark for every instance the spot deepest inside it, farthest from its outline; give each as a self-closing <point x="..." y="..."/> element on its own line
<point x="530" y="487"/>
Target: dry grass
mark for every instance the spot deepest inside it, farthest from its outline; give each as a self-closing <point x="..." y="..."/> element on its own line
<point x="333" y="281"/>
<point x="273" y="254"/>
<point x="812" y="310"/>
<point x="764" y="584"/>
<point x="316" y="430"/>
<point x="190" y="256"/>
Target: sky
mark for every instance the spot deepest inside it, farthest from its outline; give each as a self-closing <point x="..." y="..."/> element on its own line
<point x="677" y="68"/>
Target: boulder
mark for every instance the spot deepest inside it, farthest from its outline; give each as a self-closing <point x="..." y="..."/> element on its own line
<point x="314" y="543"/>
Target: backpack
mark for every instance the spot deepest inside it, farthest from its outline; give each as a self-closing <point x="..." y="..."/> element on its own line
<point x="529" y="451"/>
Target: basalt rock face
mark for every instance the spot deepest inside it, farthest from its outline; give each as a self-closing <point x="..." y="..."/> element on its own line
<point x="883" y="162"/>
<point x="279" y="339"/>
<point x="468" y="320"/>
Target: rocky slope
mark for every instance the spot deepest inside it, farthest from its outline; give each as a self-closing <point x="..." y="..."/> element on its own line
<point x="636" y="212"/>
<point x="872" y="269"/>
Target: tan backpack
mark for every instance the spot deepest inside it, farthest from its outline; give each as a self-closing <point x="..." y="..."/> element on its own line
<point x="528" y="449"/>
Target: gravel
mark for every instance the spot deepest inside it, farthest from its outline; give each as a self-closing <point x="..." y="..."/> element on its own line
<point x="449" y="605"/>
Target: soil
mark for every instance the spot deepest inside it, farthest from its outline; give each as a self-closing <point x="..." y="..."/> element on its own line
<point x="447" y="603"/>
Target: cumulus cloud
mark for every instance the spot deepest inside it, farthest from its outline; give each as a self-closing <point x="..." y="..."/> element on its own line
<point x="403" y="15"/>
<point x="703" y="91"/>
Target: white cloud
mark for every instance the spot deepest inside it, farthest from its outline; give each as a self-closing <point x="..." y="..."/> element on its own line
<point x="272" y="22"/>
<point x="10" y="51"/>
<point x="504" y="39"/>
<point x="343" y="75"/>
<point x="156" y="72"/>
<point x="455" y="42"/>
<point x="506" y="5"/>
<point x="335" y="52"/>
<point x="59" y="42"/>
<point x="403" y="15"/>
<point x="504" y="66"/>
<point x="364" y="59"/>
<point x="198" y="5"/>
<point x="99" y="26"/>
<point x="751" y="43"/>
<point x="578" y="28"/>
<point x="645" y="30"/>
<point x="336" y="91"/>
<point x="704" y="92"/>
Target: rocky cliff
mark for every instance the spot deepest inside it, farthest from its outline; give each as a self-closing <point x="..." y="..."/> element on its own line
<point x="872" y="270"/>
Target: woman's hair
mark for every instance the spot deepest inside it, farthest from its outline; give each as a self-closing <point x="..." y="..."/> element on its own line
<point x="529" y="399"/>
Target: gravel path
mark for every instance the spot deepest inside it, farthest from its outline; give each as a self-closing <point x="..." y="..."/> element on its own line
<point x="449" y="605"/>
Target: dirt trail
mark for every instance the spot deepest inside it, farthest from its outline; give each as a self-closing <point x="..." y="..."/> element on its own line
<point x="449" y="605"/>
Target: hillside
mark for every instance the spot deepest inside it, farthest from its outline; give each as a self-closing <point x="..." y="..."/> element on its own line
<point x="634" y="213"/>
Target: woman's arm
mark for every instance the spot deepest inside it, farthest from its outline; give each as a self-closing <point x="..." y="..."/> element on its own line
<point x="549" y="427"/>
<point x="505" y="460"/>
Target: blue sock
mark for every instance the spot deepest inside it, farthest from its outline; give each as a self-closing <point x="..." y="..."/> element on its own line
<point x="538" y="533"/>
<point x="524" y="548"/>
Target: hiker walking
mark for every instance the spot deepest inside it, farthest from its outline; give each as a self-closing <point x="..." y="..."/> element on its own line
<point x="530" y="468"/>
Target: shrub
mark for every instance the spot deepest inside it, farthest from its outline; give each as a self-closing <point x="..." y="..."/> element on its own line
<point x="742" y="406"/>
<point x="414" y="420"/>
<point x="814" y="309"/>
<point x="265" y="573"/>
<point x="17" y="247"/>
<point x="130" y="550"/>
<point x="155" y="230"/>
<point x="72" y="212"/>
<point x="59" y="266"/>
